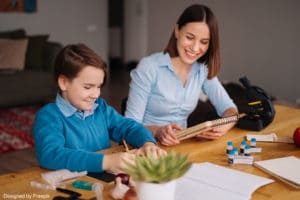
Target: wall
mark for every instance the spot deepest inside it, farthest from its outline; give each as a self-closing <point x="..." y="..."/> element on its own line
<point x="135" y="29"/>
<point x="259" y="38"/>
<point x="66" y="21"/>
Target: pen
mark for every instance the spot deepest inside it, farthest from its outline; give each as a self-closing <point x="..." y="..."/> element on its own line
<point x="125" y="145"/>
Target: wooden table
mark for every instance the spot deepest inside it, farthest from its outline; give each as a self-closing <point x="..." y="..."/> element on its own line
<point x="285" y="122"/>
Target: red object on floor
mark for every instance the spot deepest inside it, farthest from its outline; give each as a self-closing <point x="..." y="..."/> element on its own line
<point x="15" y="128"/>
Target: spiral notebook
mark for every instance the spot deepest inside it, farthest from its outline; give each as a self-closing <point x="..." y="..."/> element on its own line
<point x="285" y="169"/>
<point x="205" y="126"/>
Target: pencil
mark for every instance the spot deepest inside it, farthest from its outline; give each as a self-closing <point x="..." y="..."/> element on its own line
<point x="125" y="145"/>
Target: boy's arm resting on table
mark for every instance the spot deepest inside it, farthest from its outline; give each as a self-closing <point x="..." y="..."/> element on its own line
<point x="54" y="152"/>
<point x="132" y="132"/>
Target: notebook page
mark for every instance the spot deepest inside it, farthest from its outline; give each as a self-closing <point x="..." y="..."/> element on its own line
<point x="214" y="181"/>
<point x="286" y="168"/>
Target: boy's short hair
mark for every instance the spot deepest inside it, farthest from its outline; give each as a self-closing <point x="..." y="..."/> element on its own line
<point x="73" y="58"/>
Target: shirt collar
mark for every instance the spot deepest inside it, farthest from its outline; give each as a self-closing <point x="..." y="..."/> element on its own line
<point x="68" y="110"/>
<point x="165" y="61"/>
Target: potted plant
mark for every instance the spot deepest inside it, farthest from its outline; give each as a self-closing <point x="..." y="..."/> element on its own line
<point x="156" y="177"/>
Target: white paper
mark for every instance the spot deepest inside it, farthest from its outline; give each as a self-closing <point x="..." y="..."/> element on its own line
<point x="213" y="182"/>
<point x="58" y="176"/>
<point x="272" y="137"/>
<point x="286" y="167"/>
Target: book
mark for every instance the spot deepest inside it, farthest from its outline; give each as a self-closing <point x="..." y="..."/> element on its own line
<point x="214" y="182"/>
<point x="285" y="169"/>
<point x="205" y="126"/>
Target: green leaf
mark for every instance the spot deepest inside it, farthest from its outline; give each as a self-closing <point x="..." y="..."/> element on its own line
<point x="162" y="169"/>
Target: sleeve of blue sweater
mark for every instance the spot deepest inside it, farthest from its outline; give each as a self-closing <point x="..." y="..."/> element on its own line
<point x="120" y="127"/>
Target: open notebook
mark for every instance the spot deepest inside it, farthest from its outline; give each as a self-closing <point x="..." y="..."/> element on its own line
<point x="214" y="182"/>
<point x="287" y="169"/>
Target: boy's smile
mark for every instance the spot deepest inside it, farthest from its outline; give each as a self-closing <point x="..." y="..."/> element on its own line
<point x="83" y="90"/>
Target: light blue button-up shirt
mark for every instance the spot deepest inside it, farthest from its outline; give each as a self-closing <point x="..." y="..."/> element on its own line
<point x="158" y="97"/>
<point x="68" y="110"/>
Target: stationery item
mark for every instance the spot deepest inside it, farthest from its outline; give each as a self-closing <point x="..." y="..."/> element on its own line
<point x="235" y="151"/>
<point x="205" y="126"/>
<point x="103" y="176"/>
<point x="82" y="185"/>
<point x="234" y="158"/>
<point x="125" y="145"/>
<point x="229" y="147"/>
<point x="73" y="194"/>
<point x="96" y="187"/>
<point x="230" y="158"/>
<point x="215" y="182"/>
<point x="255" y="150"/>
<point x="58" y="176"/>
<point x="272" y="137"/>
<point x="243" y="160"/>
<point x="253" y="142"/>
<point x="42" y="186"/>
<point x="242" y="147"/>
<point x="247" y="151"/>
<point x="285" y="169"/>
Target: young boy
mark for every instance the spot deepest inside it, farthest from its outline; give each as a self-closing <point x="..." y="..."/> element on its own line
<point x="68" y="132"/>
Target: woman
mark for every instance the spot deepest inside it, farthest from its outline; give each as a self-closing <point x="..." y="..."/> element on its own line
<point x="165" y="87"/>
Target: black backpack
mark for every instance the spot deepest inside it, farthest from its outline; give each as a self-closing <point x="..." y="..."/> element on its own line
<point x="260" y="112"/>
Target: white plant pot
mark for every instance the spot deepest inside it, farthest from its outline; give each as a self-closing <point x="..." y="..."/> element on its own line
<point x="153" y="191"/>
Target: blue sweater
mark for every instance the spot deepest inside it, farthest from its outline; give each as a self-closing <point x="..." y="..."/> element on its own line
<point x="71" y="142"/>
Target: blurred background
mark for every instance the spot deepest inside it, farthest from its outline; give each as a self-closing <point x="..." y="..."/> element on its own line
<point x="259" y="38"/>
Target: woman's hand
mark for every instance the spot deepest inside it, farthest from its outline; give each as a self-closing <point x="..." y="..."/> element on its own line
<point x="216" y="132"/>
<point x="152" y="148"/>
<point x="166" y="134"/>
<point x="221" y="130"/>
<point x="117" y="161"/>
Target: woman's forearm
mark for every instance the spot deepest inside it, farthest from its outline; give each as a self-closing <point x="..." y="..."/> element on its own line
<point x="153" y="129"/>
<point x="230" y="111"/>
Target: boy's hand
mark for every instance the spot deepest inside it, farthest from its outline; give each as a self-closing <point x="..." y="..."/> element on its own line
<point x="117" y="161"/>
<point x="152" y="148"/>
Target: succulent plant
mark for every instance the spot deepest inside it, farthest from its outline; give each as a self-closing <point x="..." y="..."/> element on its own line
<point x="147" y="168"/>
